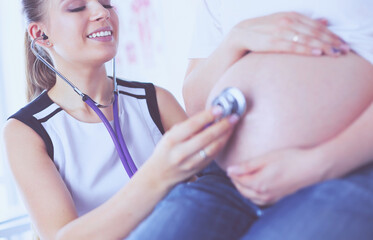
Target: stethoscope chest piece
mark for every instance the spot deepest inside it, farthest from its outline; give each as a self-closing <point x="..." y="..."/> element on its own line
<point x="232" y="101"/>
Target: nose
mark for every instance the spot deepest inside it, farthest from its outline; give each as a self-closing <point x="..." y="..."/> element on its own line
<point x="98" y="12"/>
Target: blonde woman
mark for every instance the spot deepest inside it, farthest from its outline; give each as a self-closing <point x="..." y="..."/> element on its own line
<point x="66" y="166"/>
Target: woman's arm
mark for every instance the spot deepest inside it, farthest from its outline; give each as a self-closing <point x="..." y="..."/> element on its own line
<point x="175" y="159"/>
<point x="273" y="33"/>
<point x="45" y="195"/>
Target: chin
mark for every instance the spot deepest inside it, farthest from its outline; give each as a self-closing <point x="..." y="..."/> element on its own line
<point x="109" y="57"/>
<point x="102" y="58"/>
<point x="110" y="54"/>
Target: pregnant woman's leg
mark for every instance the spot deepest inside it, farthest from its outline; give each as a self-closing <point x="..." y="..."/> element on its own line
<point x="207" y="209"/>
<point x="338" y="209"/>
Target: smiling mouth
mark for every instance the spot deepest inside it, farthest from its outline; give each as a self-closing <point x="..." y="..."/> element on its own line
<point x="100" y="34"/>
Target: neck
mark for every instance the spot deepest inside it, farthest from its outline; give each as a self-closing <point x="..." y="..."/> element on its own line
<point x="92" y="81"/>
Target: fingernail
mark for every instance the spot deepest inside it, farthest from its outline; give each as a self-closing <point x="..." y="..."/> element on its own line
<point x="345" y="47"/>
<point x="217" y="111"/>
<point x="316" y="52"/>
<point x="323" y="21"/>
<point x="336" y="51"/>
<point x="233" y="119"/>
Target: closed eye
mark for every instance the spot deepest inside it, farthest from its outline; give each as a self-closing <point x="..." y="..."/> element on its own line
<point x="79" y="9"/>
<point x="107" y="6"/>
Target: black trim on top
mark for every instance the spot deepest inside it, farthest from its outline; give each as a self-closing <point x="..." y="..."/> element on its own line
<point x="25" y="115"/>
<point x="151" y="99"/>
<point x="153" y="107"/>
<point x="44" y="119"/>
<point x="43" y="101"/>
<point x="132" y="95"/>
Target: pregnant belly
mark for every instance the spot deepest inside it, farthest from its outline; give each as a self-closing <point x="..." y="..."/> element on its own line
<point x="294" y="101"/>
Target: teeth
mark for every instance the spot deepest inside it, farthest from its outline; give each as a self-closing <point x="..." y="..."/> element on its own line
<point x="100" y="34"/>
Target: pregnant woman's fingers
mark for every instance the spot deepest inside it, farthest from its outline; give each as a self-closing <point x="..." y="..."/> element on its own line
<point x="286" y="46"/>
<point x="304" y="44"/>
<point x="315" y="34"/>
<point x="287" y="32"/>
<point x="315" y="27"/>
<point x="256" y="197"/>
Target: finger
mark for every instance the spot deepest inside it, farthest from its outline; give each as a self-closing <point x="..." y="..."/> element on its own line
<point x="197" y="157"/>
<point x="313" y="46"/>
<point x="204" y="156"/>
<point x="330" y="43"/>
<point x="312" y="43"/>
<point x="287" y="46"/>
<point x="212" y="133"/>
<point x="193" y="125"/>
<point x="323" y="21"/>
<point x="327" y="38"/>
<point x="244" y="168"/>
<point x="251" y="181"/>
<point x="254" y="196"/>
<point x="212" y="139"/>
<point x="313" y="29"/>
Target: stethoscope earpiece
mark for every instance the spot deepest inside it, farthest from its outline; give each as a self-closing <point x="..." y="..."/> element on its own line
<point x="45" y="37"/>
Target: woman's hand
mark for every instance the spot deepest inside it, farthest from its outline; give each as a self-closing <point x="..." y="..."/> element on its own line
<point x="190" y="146"/>
<point x="287" y="33"/>
<point x="268" y="178"/>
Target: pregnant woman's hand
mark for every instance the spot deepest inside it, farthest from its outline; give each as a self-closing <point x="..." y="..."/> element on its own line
<point x="287" y="33"/>
<point x="267" y="179"/>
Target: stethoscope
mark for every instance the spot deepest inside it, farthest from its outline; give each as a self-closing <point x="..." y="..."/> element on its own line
<point x="116" y="133"/>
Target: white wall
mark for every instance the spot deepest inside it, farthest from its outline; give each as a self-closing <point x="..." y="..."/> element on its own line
<point x="155" y="40"/>
<point x="11" y="49"/>
<point x="12" y="91"/>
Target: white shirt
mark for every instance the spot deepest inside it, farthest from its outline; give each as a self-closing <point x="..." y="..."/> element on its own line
<point x="84" y="153"/>
<point x="352" y="20"/>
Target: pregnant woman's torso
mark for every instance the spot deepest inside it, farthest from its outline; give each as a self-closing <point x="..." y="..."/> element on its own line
<point x="294" y="101"/>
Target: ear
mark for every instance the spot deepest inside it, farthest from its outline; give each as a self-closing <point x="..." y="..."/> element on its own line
<point x="35" y="30"/>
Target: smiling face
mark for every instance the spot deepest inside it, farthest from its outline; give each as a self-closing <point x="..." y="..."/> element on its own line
<point x="82" y="31"/>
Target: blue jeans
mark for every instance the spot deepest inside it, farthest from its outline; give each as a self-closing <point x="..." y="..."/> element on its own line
<point x="211" y="208"/>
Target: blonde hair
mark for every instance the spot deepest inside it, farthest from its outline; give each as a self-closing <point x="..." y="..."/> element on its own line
<point x="38" y="76"/>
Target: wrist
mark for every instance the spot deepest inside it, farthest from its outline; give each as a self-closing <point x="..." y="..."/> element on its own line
<point x="154" y="178"/>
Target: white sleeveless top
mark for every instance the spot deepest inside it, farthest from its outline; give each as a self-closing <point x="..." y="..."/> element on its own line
<point x="352" y="20"/>
<point x="84" y="153"/>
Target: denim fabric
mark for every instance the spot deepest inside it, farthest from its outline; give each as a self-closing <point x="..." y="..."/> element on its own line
<point x="211" y="208"/>
<point x="337" y="209"/>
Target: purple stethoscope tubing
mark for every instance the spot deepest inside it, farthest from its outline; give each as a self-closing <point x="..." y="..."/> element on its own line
<point x="116" y="135"/>
<point x="122" y="143"/>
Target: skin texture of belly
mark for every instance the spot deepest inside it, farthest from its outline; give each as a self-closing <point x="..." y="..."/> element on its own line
<point x="294" y="101"/>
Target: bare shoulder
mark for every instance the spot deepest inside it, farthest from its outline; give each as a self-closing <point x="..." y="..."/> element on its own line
<point x="169" y="108"/>
<point x="18" y="134"/>
<point x="14" y="126"/>
<point x="24" y="148"/>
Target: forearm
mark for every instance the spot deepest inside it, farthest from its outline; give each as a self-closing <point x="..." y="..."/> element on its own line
<point x="116" y="218"/>
<point x="199" y="82"/>
<point x="351" y="149"/>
